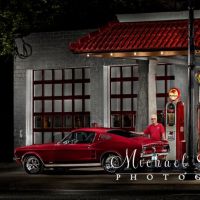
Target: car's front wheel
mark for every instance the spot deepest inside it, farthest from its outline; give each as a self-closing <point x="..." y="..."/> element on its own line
<point x="111" y="163"/>
<point x="33" y="165"/>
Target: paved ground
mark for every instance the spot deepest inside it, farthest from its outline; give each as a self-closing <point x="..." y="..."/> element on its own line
<point x="95" y="184"/>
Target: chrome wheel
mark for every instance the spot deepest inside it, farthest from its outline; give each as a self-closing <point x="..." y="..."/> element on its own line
<point x="112" y="163"/>
<point x="32" y="165"/>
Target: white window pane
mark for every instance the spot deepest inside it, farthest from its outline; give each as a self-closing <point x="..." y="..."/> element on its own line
<point x="37" y="90"/>
<point x="78" y="74"/>
<point x="68" y="89"/>
<point x="48" y="75"/>
<point x="160" y="70"/>
<point x="115" y="87"/>
<point x="160" y="86"/>
<point x="135" y="71"/>
<point x="37" y="138"/>
<point x="48" y="90"/>
<point x="87" y="88"/>
<point x="87" y="105"/>
<point x="115" y="72"/>
<point x="126" y="71"/>
<point x="47" y="106"/>
<point x="115" y="104"/>
<point x="58" y="106"/>
<point x="160" y="103"/>
<point x="67" y="105"/>
<point x="78" y="105"/>
<point x="127" y="104"/>
<point x="68" y="74"/>
<point x="78" y="89"/>
<point x="170" y="84"/>
<point x="37" y="75"/>
<point x="47" y="137"/>
<point x="58" y="74"/>
<point x="87" y="73"/>
<point x="57" y="136"/>
<point x="58" y="89"/>
<point x="170" y="70"/>
<point x="37" y="106"/>
<point x="127" y="87"/>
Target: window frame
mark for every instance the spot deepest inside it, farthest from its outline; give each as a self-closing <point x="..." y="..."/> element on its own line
<point x="83" y="80"/>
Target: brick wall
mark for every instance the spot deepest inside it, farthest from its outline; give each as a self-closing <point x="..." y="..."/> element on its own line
<point x="50" y="51"/>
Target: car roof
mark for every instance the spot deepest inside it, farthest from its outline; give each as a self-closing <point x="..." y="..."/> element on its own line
<point x="100" y="130"/>
<point x="94" y="129"/>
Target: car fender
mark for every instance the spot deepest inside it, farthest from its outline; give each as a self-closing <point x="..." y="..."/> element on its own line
<point x="32" y="153"/>
<point x="109" y="152"/>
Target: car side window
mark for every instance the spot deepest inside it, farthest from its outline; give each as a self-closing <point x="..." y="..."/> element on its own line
<point x="80" y="138"/>
<point x="104" y="137"/>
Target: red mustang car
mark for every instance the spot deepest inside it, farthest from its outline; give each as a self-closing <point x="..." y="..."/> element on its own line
<point x="110" y="148"/>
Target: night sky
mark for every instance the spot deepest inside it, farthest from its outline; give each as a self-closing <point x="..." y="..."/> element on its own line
<point x="95" y="13"/>
<point x="81" y="14"/>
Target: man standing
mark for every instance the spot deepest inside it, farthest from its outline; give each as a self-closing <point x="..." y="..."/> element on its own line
<point x="155" y="130"/>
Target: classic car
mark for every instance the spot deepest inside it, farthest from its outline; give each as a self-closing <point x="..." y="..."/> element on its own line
<point x="111" y="149"/>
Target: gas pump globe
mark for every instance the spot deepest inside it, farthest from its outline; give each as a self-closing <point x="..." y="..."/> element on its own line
<point x="197" y="77"/>
<point x="175" y="125"/>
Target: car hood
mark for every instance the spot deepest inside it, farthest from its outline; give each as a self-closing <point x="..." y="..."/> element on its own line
<point x="36" y="146"/>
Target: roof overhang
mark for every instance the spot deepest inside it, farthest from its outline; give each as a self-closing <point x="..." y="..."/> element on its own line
<point x="164" y="38"/>
<point x="139" y="54"/>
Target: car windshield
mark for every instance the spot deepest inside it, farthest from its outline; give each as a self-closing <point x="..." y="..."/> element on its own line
<point x="123" y="133"/>
<point x="78" y="138"/>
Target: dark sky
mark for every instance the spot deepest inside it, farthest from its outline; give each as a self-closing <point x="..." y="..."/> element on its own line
<point x="95" y="13"/>
<point x="80" y="14"/>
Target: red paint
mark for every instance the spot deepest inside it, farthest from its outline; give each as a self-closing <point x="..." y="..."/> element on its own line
<point x="102" y="142"/>
<point x="138" y="36"/>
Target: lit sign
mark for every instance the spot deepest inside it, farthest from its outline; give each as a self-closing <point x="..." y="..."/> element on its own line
<point x="174" y="94"/>
<point x="197" y="77"/>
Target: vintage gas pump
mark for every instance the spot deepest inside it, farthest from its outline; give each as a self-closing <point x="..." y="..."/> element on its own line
<point x="175" y="125"/>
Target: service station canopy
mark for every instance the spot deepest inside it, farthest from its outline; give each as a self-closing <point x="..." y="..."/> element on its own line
<point x="139" y="39"/>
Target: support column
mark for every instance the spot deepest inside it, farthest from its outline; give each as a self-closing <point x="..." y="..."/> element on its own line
<point x="142" y="98"/>
<point x="152" y="106"/>
<point x="146" y="100"/>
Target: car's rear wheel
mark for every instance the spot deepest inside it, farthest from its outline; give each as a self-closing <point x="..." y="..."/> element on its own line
<point x="33" y="165"/>
<point x="112" y="163"/>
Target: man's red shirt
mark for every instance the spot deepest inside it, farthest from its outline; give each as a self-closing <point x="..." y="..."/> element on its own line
<point x="155" y="131"/>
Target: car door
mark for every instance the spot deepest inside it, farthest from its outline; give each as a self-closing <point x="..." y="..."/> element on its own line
<point x="77" y="147"/>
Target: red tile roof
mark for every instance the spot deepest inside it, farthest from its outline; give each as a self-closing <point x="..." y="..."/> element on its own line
<point x="138" y="36"/>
